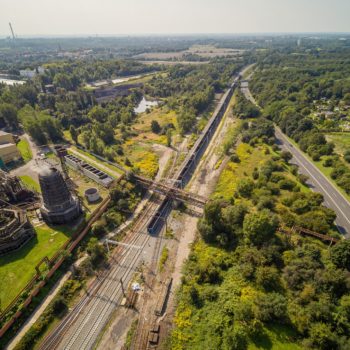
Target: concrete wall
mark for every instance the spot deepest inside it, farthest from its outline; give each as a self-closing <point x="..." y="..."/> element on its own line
<point x="9" y="153"/>
<point x="6" y="138"/>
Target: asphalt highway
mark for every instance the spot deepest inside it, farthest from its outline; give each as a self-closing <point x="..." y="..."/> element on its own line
<point x="320" y="183"/>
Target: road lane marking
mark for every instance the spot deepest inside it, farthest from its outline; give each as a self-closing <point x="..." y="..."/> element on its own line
<point x="318" y="182"/>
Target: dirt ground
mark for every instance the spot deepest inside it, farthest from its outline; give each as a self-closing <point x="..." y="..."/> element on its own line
<point x="207" y="51"/>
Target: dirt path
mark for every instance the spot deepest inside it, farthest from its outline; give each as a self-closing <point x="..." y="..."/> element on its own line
<point x="165" y="153"/>
<point x="202" y="183"/>
<point x="30" y="168"/>
<point x="41" y="308"/>
<point x="38" y="311"/>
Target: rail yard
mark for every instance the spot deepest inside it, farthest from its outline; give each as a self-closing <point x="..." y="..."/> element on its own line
<point x="89" y="316"/>
<point x="174" y="192"/>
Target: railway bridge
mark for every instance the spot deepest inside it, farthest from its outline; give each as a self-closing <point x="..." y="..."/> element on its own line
<point x="172" y="192"/>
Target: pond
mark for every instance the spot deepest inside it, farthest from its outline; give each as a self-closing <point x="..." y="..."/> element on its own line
<point x="144" y="104"/>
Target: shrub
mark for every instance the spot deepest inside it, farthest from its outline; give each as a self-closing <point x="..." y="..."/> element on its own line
<point x="340" y="254"/>
<point x="155" y="127"/>
<point x="321" y="337"/>
<point x="328" y="162"/>
<point x="271" y="307"/>
<point x="59" y="305"/>
<point x="286" y="184"/>
<point x="234" y="158"/>
<point x="259" y="227"/>
<point x="267" y="277"/>
<point x="245" y="188"/>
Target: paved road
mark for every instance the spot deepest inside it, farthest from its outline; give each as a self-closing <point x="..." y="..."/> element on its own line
<point x="317" y="181"/>
<point x="320" y="183"/>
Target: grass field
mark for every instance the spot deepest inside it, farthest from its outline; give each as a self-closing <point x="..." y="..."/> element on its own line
<point x="250" y="158"/>
<point x="143" y="125"/>
<point x="142" y="157"/>
<point x="276" y="337"/>
<point x="24" y="149"/>
<point x="17" y="268"/>
<point x="30" y="183"/>
<point x="341" y="141"/>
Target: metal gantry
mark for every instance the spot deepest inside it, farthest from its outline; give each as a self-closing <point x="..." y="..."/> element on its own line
<point x="172" y="192"/>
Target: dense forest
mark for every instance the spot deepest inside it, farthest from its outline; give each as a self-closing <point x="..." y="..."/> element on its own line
<point x="103" y="128"/>
<point x="247" y="285"/>
<point x="288" y="86"/>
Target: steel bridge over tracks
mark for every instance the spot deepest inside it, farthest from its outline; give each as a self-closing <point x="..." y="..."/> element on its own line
<point x="172" y="192"/>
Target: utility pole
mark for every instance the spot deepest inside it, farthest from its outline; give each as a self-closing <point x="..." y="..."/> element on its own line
<point x="121" y="283"/>
<point x="13" y="34"/>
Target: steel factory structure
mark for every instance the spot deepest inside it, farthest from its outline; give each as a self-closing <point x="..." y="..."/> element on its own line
<point x="59" y="206"/>
<point x="15" y="228"/>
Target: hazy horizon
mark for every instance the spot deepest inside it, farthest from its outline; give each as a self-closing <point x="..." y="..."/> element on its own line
<point x="45" y="18"/>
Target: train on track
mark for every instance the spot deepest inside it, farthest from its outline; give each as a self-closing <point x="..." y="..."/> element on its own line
<point x="192" y="159"/>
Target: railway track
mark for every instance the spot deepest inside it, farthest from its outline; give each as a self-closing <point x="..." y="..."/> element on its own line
<point x="103" y="294"/>
<point x="80" y="328"/>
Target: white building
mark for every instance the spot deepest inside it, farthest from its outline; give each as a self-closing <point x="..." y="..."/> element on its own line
<point x="28" y="73"/>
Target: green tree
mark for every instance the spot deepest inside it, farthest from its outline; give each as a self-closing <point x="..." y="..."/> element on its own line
<point x="259" y="227"/>
<point x="322" y="337"/>
<point x="286" y="156"/>
<point x="95" y="250"/>
<point x="73" y="133"/>
<point x="245" y="187"/>
<point x="271" y="307"/>
<point x="155" y="127"/>
<point x="340" y="254"/>
<point x="98" y="113"/>
<point x="8" y="115"/>
<point x="168" y="137"/>
<point x="267" y="277"/>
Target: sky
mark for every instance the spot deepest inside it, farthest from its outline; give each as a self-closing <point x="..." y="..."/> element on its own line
<point x="120" y="17"/>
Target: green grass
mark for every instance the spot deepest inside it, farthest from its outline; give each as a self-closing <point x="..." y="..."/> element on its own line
<point x="30" y="183"/>
<point x="142" y="157"/>
<point x="250" y="158"/>
<point x="276" y="337"/>
<point x="24" y="149"/>
<point x="17" y="268"/>
<point x="163" y="258"/>
<point x="142" y="125"/>
<point x="341" y="141"/>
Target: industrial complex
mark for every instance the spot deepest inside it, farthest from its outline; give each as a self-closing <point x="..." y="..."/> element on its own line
<point x="8" y="149"/>
<point x="59" y="206"/>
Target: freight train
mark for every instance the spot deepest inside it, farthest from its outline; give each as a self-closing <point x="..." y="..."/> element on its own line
<point x="191" y="161"/>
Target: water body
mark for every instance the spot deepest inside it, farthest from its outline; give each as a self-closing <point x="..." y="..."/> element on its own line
<point x="11" y="81"/>
<point x="144" y="104"/>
